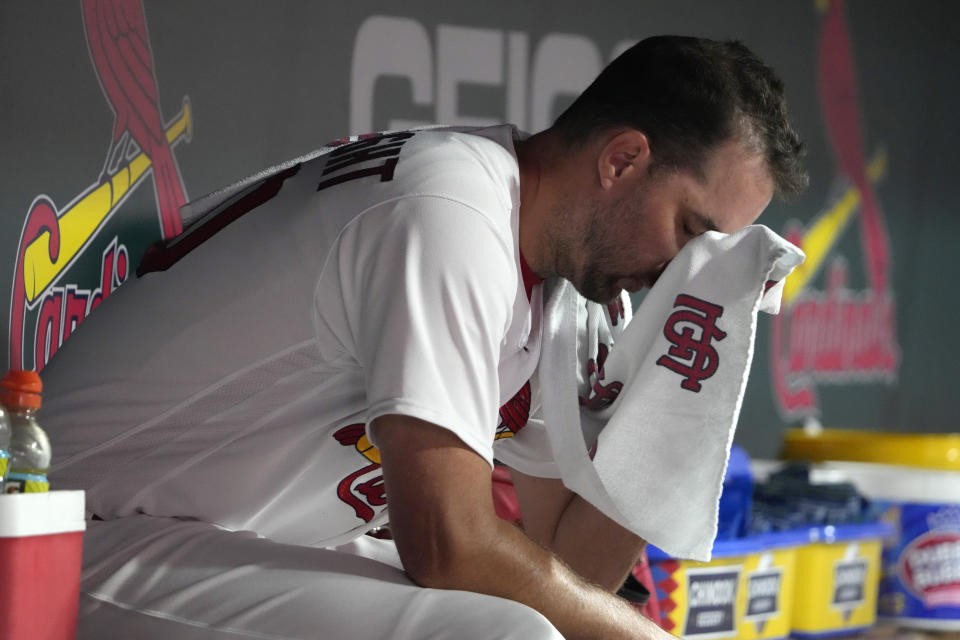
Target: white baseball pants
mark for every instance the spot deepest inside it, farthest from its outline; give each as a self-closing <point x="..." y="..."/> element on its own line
<point x="146" y="578"/>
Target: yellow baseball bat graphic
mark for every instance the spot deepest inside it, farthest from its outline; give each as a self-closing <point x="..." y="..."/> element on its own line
<point x="79" y="222"/>
<point x="825" y="231"/>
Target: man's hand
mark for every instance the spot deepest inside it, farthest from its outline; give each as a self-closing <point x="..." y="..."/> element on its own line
<point x="449" y="536"/>
<point x="592" y="544"/>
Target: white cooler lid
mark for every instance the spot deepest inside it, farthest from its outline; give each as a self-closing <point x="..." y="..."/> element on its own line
<point x="37" y="514"/>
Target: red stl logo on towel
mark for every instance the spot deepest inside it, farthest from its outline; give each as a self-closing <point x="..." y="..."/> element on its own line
<point x="690" y="356"/>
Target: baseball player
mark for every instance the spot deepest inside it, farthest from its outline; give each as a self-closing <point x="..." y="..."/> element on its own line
<point x="362" y="328"/>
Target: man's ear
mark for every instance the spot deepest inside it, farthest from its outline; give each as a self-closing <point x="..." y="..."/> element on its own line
<point x="625" y="156"/>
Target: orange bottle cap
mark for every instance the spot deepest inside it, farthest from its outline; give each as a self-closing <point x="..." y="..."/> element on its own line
<point x="21" y="389"/>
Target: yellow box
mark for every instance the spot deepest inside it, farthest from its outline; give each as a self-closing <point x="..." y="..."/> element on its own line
<point x="837" y="578"/>
<point x="769" y="578"/>
<point x="745" y="591"/>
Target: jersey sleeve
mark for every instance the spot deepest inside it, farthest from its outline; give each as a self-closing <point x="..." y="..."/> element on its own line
<point x="428" y="285"/>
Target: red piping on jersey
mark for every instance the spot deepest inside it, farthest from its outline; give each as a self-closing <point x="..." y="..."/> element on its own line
<point x="164" y="254"/>
<point x="530" y="279"/>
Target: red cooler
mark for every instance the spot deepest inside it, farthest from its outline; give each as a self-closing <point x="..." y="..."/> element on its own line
<point x="41" y="544"/>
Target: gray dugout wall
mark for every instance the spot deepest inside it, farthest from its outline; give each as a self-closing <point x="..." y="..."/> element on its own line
<point x="113" y="112"/>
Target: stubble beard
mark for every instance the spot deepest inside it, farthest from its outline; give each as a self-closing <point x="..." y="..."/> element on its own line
<point x="595" y="284"/>
<point x="589" y="275"/>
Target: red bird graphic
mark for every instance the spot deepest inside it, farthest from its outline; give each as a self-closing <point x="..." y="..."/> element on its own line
<point x="841" y="110"/>
<point x="120" y="48"/>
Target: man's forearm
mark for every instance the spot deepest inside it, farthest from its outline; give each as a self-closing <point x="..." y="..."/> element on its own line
<point x="504" y="562"/>
<point x="592" y="544"/>
<point x="595" y="546"/>
<point x="449" y="536"/>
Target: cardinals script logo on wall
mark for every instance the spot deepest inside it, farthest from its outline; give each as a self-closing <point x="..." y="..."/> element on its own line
<point x="837" y="335"/>
<point x="692" y="356"/>
<point x="49" y="297"/>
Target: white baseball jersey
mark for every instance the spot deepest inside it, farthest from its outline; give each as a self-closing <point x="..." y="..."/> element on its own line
<point x="235" y="386"/>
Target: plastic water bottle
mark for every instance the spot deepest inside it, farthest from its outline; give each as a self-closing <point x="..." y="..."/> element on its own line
<point x="4" y="445"/>
<point x="29" y="447"/>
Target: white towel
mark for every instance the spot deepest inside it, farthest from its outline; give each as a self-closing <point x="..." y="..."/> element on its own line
<point x="684" y="358"/>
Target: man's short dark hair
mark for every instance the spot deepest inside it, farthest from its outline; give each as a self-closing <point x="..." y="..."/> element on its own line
<point x="688" y="95"/>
